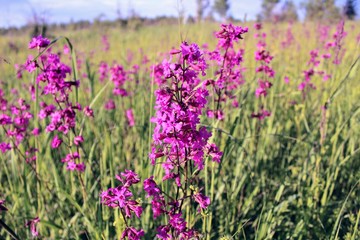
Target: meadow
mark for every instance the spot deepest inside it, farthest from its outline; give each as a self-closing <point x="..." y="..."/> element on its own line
<point x="252" y="133"/>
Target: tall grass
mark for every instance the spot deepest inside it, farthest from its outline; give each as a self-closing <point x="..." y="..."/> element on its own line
<point x="281" y="178"/>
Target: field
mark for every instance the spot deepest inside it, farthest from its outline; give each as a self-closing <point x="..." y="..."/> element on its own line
<point x="282" y="161"/>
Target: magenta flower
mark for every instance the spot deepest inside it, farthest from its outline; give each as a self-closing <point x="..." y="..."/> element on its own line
<point x="132" y="234"/>
<point x="39" y="42"/>
<point x="230" y="33"/>
<point x="32" y="225"/>
<point x="4" y="147"/>
<point x="36" y="131"/>
<point x="80" y="167"/>
<point x="257" y="26"/>
<point x="118" y="76"/>
<point x="88" y="111"/>
<point x="261" y="115"/>
<point x="130" y="117"/>
<point x="30" y="64"/>
<point x="128" y="178"/>
<point x="66" y="49"/>
<point x="163" y="232"/>
<point x="121" y="196"/>
<point x="78" y="140"/>
<point x="2" y="207"/>
<point x="151" y="187"/>
<point x="72" y="166"/>
<point x="105" y="42"/>
<point x="110" y="105"/>
<point x="203" y="200"/>
<point x="286" y="79"/>
<point x="56" y="142"/>
<point x="229" y="72"/>
<point x="103" y="71"/>
<point x="30" y="155"/>
<point x="177" y="222"/>
<point x="5" y="119"/>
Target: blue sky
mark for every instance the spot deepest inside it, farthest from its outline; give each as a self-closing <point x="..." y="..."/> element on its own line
<point x="19" y="12"/>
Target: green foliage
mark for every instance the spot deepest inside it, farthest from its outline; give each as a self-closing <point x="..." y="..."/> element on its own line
<point x="221" y="7"/>
<point x="288" y="12"/>
<point x="322" y="10"/>
<point x="202" y="5"/>
<point x="350" y="9"/>
<point x="267" y="9"/>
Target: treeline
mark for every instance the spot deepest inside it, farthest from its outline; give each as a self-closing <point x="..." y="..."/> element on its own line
<point x="287" y="10"/>
<point x="36" y="28"/>
<point x="207" y="10"/>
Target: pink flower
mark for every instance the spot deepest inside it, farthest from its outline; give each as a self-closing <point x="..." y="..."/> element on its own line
<point x="78" y="140"/>
<point x="36" y="131"/>
<point x="39" y="42"/>
<point x="132" y="233"/>
<point x="130" y="117"/>
<point x="110" y="105"/>
<point x="56" y="142"/>
<point x="257" y="26"/>
<point x="103" y="71"/>
<point x="2" y="207"/>
<point x="235" y="103"/>
<point x="261" y="115"/>
<point x="80" y="167"/>
<point x="32" y="224"/>
<point x="66" y="49"/>
<point x="128" y="178"/>
<point x="162" y="232"/>
<point x="286" y="79"/>
<point x="4" y="147"/>
<point x="203" y="200"/>
<point x="151" y="187"/>
<point x="121" y="196"/>
<point x="105" y="42"/>
<point x="71" y="166"/>
<point x="88" y="111"/>
<point x="177" y="222"/>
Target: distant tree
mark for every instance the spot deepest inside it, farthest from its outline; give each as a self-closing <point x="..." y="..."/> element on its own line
<point x="288" y="12"/>
<point x="38" y="22"/>
<point x="322" y="10"/>
<point x="267" y="9"/>
<point x="349" y="9"/>
<point x="221" y="7"/>
<point x="202" y="5"/>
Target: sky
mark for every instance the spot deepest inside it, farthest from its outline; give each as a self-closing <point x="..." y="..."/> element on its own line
<point x="19" y="12"/>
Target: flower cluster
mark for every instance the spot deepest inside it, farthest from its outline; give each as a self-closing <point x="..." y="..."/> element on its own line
<point x="121" y="197"/>
<point x="176" y="226"/>
<point x="103" y="71"/>
<point x="229" y="73"/>
<point x="39" y="42"/>
<point x="178" y="138"/>
<point x="313" y="70"/>
<point x="336" y="45"/>
<point x="264" y="58"/>
<point x="51" y="80"/>
<point x="289" y="37"/>
<point x="105" y="42"/>
<point x="119" y="76"/>
<point x="15" y="120"/>
<point x="330" y="49"/>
